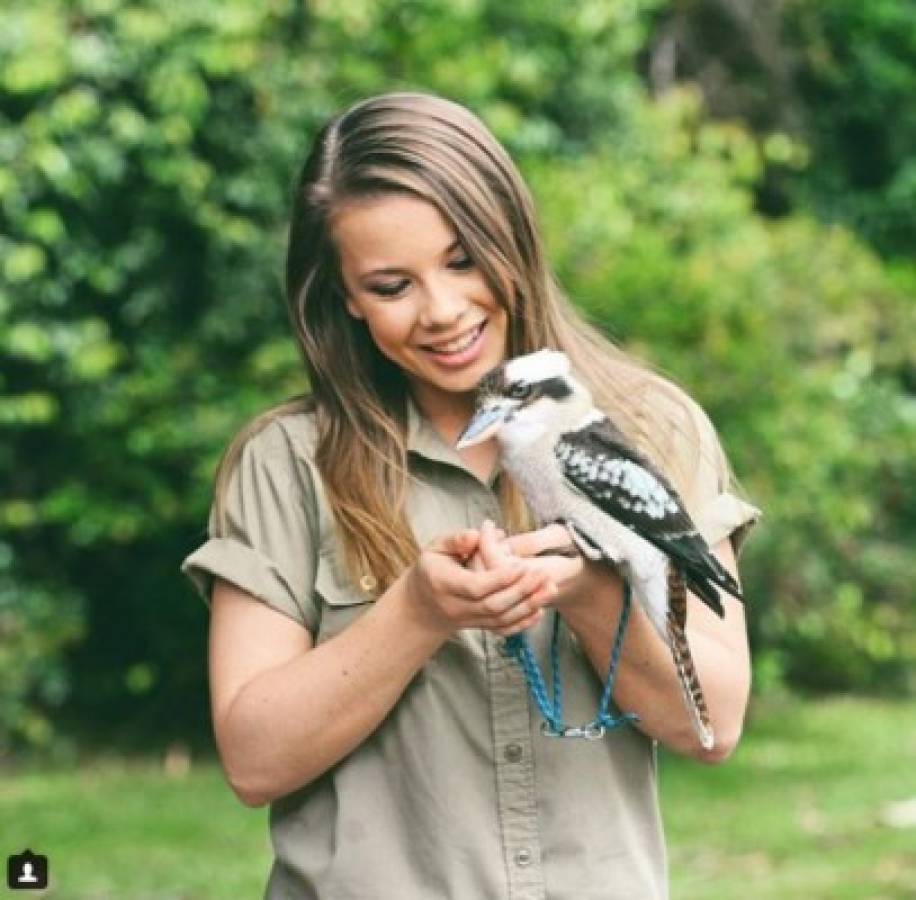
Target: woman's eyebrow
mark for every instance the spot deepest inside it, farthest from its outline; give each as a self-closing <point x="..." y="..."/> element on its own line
<point x="395" y="270"/>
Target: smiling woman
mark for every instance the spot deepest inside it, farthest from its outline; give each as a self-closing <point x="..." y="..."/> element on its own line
<point x="360" y="588"/>
<point x="427" y="307"/>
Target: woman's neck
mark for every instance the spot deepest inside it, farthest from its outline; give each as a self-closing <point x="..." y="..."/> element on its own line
<point x="449" y="419"/>
<point x="448" y="415"/>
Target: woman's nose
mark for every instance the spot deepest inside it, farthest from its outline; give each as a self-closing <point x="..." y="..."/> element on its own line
<point x="443" y="306"/>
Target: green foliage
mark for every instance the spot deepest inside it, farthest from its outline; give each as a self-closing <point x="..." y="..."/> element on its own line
<point x="146" y="154"/>
<point x="827" y="89"/>
<point x="32" y="635"/>
<point x="143" y="178"/>
<point x="792" y="336"/>
<point x="856" y="74"/>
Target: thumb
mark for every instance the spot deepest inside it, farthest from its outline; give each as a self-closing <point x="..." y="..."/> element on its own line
<point x="459" y="543"/>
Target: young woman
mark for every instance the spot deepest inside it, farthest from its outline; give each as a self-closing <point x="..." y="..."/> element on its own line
<point x="360" y="585"/>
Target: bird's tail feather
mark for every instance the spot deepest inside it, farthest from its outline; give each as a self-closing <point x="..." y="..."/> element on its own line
<point x="694" y="699"/>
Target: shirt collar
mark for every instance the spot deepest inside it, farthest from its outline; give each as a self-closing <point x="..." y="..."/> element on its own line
<point x="424" y="440"/>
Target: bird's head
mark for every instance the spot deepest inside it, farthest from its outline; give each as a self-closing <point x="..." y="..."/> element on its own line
<point x="525" y="398"/>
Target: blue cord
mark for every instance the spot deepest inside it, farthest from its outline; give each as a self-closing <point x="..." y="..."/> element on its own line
<point x="518" y="646"/>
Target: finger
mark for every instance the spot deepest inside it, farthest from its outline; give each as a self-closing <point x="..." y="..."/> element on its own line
<point x="522" y="591"/>
<point x="524" y="605"/>
<point x="523" y="624"/>
<point x="491" y="551"/>
<point x="560" y="568"/>
<point x="542" y="596"/>
<point x="459" y="543"/>
<point x="477" y="585"/>
<point x="531" y="543"/>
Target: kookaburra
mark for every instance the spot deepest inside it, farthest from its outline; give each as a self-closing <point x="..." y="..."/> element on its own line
<point x="574" y="466"/>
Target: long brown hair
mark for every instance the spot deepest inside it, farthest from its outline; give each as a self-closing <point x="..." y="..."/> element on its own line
<point x="437" y="150"/>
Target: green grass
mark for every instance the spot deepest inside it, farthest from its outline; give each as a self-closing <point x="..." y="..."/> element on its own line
<point x="796" y="813"/>
<point x="126" y="831"/>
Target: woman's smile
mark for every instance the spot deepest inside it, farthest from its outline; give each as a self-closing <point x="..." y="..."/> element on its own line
<point x="461" y="351"/>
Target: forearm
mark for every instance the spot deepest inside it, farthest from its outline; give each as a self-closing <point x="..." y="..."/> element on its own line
<point x="646" y="681"/>
<point x="290" y="724"/>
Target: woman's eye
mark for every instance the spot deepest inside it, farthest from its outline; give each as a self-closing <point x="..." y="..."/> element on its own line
<point x="465" y="262"/>
<point x="389" y="290"/>
<point x="393" y="290"/>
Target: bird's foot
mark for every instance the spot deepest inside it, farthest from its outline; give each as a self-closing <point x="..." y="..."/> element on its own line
<point x="587" y="548"/>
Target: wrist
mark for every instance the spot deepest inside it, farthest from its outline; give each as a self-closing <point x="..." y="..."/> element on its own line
<point x="416" y="615"/>
<point x="597" y="595"/>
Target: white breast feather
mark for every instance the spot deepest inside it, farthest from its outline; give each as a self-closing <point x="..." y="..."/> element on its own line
<point x="551" y="497"/>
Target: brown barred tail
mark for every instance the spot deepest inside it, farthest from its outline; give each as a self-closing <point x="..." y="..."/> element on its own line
<point x="683" y="661"/>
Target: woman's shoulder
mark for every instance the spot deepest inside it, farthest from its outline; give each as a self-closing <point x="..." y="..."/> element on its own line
<point x="290" y="428"/>
<point x="282" y="437"/>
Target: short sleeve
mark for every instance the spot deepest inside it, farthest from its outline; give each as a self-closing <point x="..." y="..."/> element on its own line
<point x="717" y="511"/>
<point x="272" y="538"/>
<point x="727" y="515"/>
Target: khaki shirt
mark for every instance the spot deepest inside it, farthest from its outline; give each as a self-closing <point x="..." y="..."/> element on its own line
<point x="457" y="794"/>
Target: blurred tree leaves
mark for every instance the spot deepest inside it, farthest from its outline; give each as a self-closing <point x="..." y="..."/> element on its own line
<point x="146" y="154"/>
<point x="826" y="86"/>
<point x="794" y="339"/>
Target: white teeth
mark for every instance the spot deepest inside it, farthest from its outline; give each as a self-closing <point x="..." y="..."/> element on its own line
<point x="458" y="344"/>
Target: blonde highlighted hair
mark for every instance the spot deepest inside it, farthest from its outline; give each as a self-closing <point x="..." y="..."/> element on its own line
<point x="437" y="150"/>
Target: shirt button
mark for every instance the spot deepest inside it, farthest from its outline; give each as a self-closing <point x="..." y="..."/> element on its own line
<point x="513" y="752"/>
<point x="523" y="857"/>
<point x="367" y="582"/>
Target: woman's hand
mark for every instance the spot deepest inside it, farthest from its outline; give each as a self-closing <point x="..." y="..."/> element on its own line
<point x="552" y="551"/>
<point x="505" y="597"/>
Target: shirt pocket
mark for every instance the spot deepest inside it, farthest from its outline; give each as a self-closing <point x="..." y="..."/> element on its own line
<point x="339" y="602"/>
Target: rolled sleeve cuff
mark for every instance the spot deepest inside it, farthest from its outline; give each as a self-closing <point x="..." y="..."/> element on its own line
<point x="727" y="516"/>
<point x="248" y="569"/>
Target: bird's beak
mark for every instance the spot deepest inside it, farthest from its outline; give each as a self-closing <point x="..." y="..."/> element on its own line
<point x="484" y="424"/>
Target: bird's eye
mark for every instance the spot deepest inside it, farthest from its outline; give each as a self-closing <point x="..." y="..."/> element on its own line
<point x="519" y="390"/>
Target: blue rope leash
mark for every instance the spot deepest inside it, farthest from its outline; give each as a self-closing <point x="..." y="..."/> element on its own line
<point x="518" y="647"/>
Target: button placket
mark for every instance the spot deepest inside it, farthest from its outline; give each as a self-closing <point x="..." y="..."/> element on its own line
<point x="515" y="776"/>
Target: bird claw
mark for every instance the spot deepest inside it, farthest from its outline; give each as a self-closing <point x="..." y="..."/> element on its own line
<point x="586" y="547"/>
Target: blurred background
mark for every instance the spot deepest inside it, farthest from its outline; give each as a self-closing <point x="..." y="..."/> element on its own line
<point x="726" y="187"/>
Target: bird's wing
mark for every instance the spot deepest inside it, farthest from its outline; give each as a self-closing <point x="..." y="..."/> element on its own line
<point x="623" y="483"/>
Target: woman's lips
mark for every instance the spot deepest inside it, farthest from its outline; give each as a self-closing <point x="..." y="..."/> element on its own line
<point x="461" y="357"/>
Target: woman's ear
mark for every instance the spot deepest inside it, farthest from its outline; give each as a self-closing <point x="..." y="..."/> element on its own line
<point x="353" y="309"/>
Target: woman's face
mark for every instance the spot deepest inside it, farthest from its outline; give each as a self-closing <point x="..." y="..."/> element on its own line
<point x="426" y="305"/>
